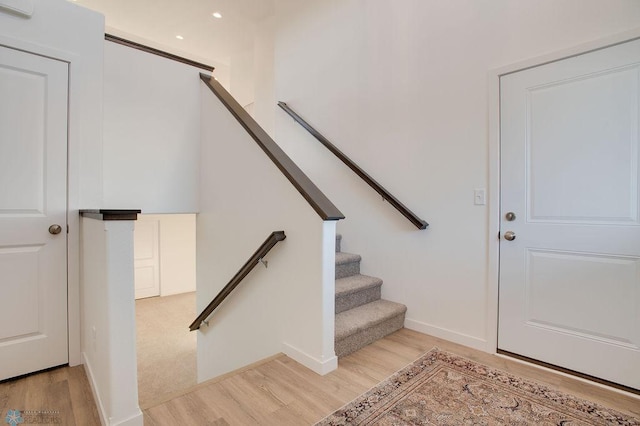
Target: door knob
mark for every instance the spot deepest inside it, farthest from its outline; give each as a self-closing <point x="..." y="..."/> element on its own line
<point x="509" y="235"/>
<point x="55" y="229"/>
<point x="510" y="216"/>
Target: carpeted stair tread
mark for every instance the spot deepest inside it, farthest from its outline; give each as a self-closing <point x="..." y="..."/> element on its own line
<point x="347" y="264"/>
<point x="361" y="326"/>
<point x="342" y="258"/>
<point x="355" y="283"/>
<point x="356" y="290"/>
<point x="363" y="317"/>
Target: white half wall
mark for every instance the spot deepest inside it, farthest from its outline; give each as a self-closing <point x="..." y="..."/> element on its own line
<point x="402" y="88"/>
<point x="287" y="307"/>
<point x="151" y="132"/>
<point x="108" y="320"/>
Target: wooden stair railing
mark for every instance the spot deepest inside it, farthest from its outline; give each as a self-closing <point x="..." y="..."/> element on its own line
<point x="386" y="195"/>
<point x="269" y="243"/>
<point x="318" y="201"/>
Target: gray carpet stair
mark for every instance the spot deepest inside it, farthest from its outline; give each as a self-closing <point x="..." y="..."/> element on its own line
<point x="362" y="317"/>
<point x="347" y="264"/>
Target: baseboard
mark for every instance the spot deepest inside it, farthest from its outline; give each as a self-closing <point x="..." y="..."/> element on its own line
<point x="452" y="336"/>
<point x="136" y="419"/>
<point x="104" y="419"/>
<point x="312" y="363"/>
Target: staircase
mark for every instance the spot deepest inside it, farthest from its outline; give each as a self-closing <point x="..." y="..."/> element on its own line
<point x="362" y="317"/>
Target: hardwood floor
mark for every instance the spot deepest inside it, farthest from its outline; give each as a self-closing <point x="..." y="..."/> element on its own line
<point x="58" y="396"/>
<point x="279" y="391"/>
<point x="282" y="392"/>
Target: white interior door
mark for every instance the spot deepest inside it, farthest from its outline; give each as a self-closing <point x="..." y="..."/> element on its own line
<point x="570" y="280"/>
<point x="146" y="257"/>
<point x="33" y="188"/>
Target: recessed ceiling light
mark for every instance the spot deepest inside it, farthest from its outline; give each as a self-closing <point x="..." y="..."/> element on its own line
<point x="179" y="37"/>
<point x="217" y="15"/>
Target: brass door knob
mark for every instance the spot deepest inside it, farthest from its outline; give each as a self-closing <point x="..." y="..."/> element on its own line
<point x="509" y="235"/>
<point x="55" y="229"/>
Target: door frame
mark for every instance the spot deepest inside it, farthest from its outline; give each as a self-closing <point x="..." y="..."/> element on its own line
<point x="493" y="267"/>
<point x="79" y="67"/>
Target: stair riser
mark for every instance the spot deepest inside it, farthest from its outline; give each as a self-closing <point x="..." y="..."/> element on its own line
<point x="347" y="269"/>
<point x="363" y="338"/>
<point x="353" y="300"/>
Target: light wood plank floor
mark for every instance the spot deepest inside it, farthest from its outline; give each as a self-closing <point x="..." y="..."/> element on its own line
<point x="280" y="391"/>
<point x="64" y="391"/>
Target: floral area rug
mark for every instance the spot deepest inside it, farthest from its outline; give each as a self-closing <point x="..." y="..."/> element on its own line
<point x="445" y="389"/>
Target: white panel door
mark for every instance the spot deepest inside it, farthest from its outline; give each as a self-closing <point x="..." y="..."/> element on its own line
<point x="570" y="280"/>
<point x="146" y="247"/>
<point x="33" y="188"/>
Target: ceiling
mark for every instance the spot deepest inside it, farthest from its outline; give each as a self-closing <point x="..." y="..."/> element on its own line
<point x="205" y="38"/>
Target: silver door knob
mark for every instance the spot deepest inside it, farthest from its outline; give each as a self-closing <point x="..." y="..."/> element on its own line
<point x="510" y="216"/>
<point x="55" y="229"/>
<point x="509" y="235"/>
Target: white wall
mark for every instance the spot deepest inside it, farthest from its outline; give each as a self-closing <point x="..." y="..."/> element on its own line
<point x="241" y="77"/>
<point x="401" y="87"/>
<point x="264" y="111"/>
<point x="176" y="246"/>
<point x="108" y="318"/>
<point x="287" y="307"/>
<point x="151" y="132"/>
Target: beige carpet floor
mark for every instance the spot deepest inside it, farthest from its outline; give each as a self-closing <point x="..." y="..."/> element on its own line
<point x="166" y="348"/>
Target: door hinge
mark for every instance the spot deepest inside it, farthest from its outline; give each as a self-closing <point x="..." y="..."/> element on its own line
<point x="67" y="228"/>
<point x="498" y="235"/>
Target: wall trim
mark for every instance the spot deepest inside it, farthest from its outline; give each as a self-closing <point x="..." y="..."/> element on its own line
<point x="312" y="363"/>
<point x="134" y="420"/>
<point x="138" y="46"/>
<point x="446" y="334"/>
<point x="94" y="389"/>
<point x="493" y="87"/>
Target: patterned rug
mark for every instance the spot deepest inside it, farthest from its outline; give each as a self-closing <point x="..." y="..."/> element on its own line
<point x="445" y="389"/>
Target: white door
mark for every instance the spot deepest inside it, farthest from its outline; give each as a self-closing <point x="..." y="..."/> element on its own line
<point x="33" y="188"/>
<point x="570" y="280"/>
<point x="146" y="247"/>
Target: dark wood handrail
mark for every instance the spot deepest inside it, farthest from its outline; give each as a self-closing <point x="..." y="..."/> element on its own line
<point x="268" y="244"/>
<point x="386" y="195"/>
<point x="158" y="52"/>
<point x="318" y="201"/>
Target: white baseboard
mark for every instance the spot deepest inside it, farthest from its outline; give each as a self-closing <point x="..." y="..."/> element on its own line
<point x="312" y="363"/>
<point x="136" y="419"/>
<point x="446" y="334"/>
<point x="104" y="419"/>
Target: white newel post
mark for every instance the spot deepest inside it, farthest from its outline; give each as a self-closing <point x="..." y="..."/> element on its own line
<point x="108" y="314"/>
